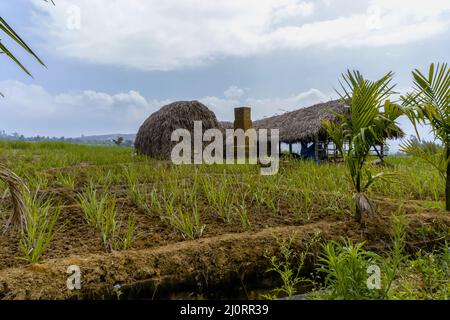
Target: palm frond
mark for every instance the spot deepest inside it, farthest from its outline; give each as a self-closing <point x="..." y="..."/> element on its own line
<point x="16" y="189"/>
<point x="435" y="156"/>
<point x="429" y="102"/>
<point x="11" y="34"/>
<point x="4" y="26"/>
<point x="336" y="133"/>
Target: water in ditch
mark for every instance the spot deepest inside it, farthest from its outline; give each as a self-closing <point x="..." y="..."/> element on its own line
<point x="232" y="287"/>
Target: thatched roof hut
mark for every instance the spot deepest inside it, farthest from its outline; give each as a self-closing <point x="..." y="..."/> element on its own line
<point x="300" y="126"/>
<point x="303" y="125"/>
<point x="154" y="135"/>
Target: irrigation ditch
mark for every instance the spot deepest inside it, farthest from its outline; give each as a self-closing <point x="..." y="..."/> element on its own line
<point x="221" y="267"/>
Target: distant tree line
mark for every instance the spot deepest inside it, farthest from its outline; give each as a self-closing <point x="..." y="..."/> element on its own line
<point x="82" y="140"/>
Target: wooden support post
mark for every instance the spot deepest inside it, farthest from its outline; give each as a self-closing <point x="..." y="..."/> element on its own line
<point x="290" y="148"/>
<point x="303" y="147"/>
<point x="316" y="147"/>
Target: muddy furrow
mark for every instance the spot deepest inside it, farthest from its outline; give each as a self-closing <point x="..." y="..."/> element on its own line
<point x="209" y="260"/>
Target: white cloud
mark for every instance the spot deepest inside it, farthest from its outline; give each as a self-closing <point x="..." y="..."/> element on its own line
<point x="234" y="92"/>
<point x="223" y="108"/>
<point x="292" y="9"/>
<point x="271" y="106"/>
<point x="32" y="110"/>
<point x="264" y="107"/>
<point x="172" y="34"/>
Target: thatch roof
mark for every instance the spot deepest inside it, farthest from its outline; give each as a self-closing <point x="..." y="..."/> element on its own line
<point x="304" y="124"/>
<point x="301" y="125"/>
<point x="226" y="124"/>
<point x="154" y="135"/>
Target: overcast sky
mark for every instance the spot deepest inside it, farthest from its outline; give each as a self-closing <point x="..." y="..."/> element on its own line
<point x="113" y="63"/>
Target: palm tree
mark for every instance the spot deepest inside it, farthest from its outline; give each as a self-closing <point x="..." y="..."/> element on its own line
<point x="429" y="103"/>
<point x="14" y="183"/>
<point x="370" y="120"/>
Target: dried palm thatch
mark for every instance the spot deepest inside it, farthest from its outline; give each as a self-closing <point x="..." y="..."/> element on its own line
<point x="226" y="125"/>
<point x="303" y="125"/>
<point x="16" y="188"/>
<point x="363" y="205"/>
<point x="154" y="135"/>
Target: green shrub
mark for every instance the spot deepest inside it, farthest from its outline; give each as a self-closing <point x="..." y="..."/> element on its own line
<point x="345" y="268"/>
<point x="39" y="228"/>
<point x="101" y="212"/>
<point x="188" y="223"/>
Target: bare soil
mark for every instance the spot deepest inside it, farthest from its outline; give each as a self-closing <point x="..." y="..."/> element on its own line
<point x="160" y="255"/>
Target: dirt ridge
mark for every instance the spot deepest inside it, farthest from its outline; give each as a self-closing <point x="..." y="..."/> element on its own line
<point x="211" y="258"/>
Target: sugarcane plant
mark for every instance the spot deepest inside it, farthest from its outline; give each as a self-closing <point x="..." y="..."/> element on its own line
<point x="14" y="182"/>
<point x="370" y="120"/>
<point x="429" y="104"/>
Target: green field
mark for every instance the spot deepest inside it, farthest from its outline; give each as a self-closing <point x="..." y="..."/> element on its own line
<point x="100" y="201"/>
